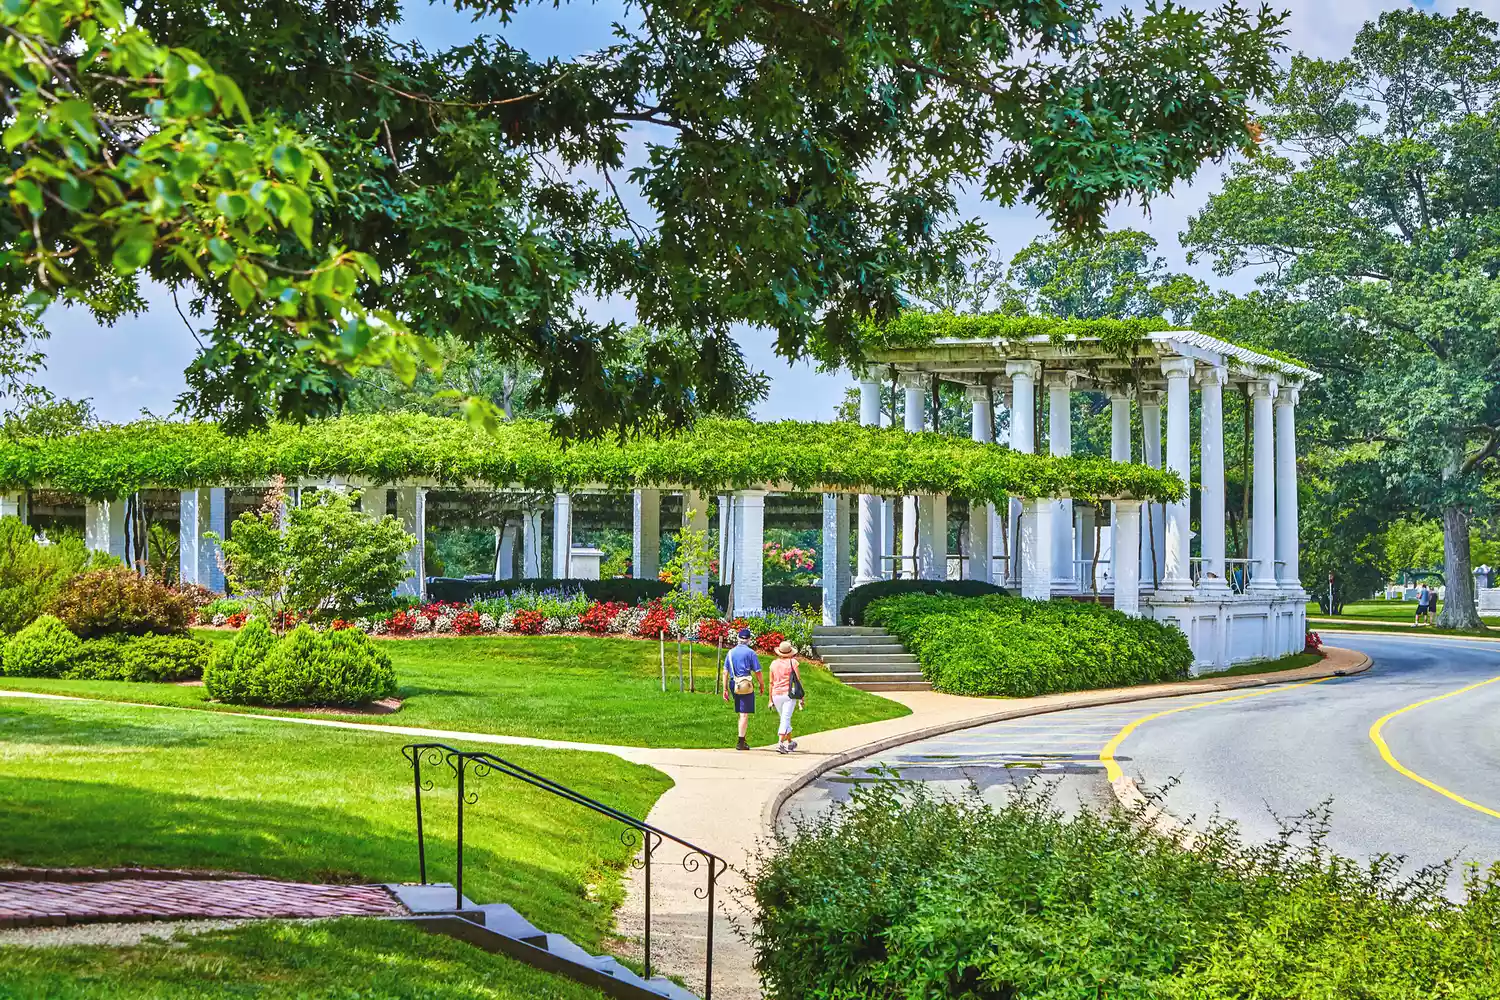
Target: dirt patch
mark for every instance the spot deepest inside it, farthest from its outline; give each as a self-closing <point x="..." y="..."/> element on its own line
<point x="381" y="706"/>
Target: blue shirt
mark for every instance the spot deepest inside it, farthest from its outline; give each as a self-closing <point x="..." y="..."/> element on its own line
<point x="741" y="661"/>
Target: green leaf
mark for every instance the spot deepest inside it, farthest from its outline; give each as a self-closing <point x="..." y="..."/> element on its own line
<point x="221" y="250"/>
<point x="242" y="291"/>
<point x="133" y="248"/>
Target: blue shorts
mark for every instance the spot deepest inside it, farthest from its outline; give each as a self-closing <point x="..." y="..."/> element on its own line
<point x="745" y="703"/>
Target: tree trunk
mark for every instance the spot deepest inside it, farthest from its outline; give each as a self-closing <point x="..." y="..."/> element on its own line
<point x="1459" y="610"/>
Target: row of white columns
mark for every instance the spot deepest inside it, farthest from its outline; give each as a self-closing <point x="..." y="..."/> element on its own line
<point x="1044" y="559"/>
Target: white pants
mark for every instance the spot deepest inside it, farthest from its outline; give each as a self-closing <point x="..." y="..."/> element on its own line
<point x="785" y="705"/>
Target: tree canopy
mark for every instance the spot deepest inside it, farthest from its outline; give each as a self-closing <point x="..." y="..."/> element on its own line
<point x="1375" y="223"/>
<point x="321" y="192"/>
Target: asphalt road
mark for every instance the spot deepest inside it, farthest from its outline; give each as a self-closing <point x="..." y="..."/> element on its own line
<point x="1268" y="753"/>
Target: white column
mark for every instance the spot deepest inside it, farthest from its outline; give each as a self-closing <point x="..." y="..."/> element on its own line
<point x="1263" y="491"/>
<point x="916" y="400"/>
<point x="411" y="509"/>
<point x="1036" y="550"/>
<point x="835" y="554"/>
<point x="887" y="536"/>
<point x="869" y="505"/>
<point x="1288" y="573"/>
<point x="104" y="527"/>
<point x="1176" y="571"/>
<point x="1023" y="376"/>
<point x="749" y="563"/>
<point x="843" y="571"/>
<point x="1127" y="537"/>
<point x="695" y="518"/>
<point x="1153" y="541"/>
<point x="210" y="552"/>
<point x="932" y="537"/>
<point x="192" y="522"/>
<point x="726" y="507"/>
<point x="1214" y="578"/>
<point x="645" y="555"/>
<point x="531" y="545"/>
<point x="562" y="535"/>
<point x="1084" y="516"/>
<point x="982" y="429"/>
<point x="1120" y="451"/>
<point x="1060" y="444"/>
<point x="13" y="505"/>
<point x="505" y="552"/>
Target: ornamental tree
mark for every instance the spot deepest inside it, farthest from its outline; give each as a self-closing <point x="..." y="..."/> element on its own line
<point x="1375" y="221"/>
<point x="798" y="161"/>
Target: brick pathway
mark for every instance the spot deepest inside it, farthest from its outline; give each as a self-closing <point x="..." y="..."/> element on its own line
<point x="36" y="903"/>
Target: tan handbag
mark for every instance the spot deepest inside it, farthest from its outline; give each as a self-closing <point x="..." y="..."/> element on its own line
<point x="744" y="684"/>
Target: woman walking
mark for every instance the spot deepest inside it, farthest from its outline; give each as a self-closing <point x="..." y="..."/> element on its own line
<point x="787" y="694"/>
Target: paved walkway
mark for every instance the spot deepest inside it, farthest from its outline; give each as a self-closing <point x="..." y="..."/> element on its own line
<point x="48" y="903"/>
<point x="727" y="801"/>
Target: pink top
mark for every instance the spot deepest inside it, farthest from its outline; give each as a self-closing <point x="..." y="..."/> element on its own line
<point x="781" y="676"/>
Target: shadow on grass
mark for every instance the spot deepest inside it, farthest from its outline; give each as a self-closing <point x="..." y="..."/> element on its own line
<point x="49" y="822"/>
<point x="20" y="726"/>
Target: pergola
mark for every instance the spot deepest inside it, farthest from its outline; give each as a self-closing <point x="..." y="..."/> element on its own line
<point x="1231" y="610"/>
<point x="407" y="455"/>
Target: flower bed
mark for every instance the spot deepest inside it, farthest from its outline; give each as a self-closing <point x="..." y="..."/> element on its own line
<point x="526" y="613"/>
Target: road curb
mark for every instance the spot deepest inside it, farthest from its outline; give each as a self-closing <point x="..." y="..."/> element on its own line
<point x="1338" y="662"/>
<point x="1414" y="634"/>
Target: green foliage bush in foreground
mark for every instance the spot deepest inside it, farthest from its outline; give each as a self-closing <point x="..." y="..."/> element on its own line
<point x="852" y="611"/>
<point x="906" y="894"/>
<point x="1010" y="646"/>
<point x="47" y="648"/>
<point x="303" y="667"/>
<point x="32" y="574"/>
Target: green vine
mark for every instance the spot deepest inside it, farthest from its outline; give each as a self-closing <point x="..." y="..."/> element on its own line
<point x="916" y="329"/>
<point x="716" y="456"/>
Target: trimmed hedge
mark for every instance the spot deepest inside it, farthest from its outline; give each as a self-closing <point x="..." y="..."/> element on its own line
<point x="46" y="648"/>
<point x="1019" y="648"/>
<point x="339" y="667"/>
<point x="852" y="611"/>
<point x="777" y="595"/>
<point x="625" y="590"/>
<point x="901" y="893"/>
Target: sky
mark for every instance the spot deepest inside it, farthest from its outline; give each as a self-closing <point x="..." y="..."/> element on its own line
<point x="136" y="366"/>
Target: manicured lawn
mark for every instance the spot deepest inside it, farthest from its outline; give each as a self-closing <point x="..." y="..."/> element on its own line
<point x="111" y="785"/>
<point x="1385" y="611"/>
<point x="1292" y="662"/>
<point x="1394" y="628"/>
<point x="587" y="689"/>
<point x="333" y="960"/>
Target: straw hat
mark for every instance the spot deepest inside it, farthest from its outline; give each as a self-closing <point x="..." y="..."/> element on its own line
<point x="786" y="648"/>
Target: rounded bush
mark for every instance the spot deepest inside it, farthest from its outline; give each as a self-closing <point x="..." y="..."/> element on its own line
<point x="45" y="648"/>
<point x="1019" y="648"/>
<point x="144" y="658"/>
<point x="304" y="667"/>
<point x="117" y="601"/>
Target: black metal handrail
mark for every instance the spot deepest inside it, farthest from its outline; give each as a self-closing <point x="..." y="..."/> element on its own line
<point x="637" y="831"/>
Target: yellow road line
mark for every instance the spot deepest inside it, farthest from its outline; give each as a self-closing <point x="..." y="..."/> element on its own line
<point x="1390" y="758"/>
<point x="1107" y="755"/>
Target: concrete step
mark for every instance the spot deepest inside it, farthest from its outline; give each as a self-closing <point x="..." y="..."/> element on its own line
<point x="869" y="662"/>
<point x="880" y="676"/>
<point x="669" y="989"/>
<point x="916" y="685"/>
<point x="840" y="641"/>
<point x="856" y="669"/>
<point x="822" y="630"/>
<point x="434" y="897"/>
<point x="504" y="919"/>
<point x="851" y="652"/>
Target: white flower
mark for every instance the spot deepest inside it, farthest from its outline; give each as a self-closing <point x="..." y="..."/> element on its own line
<point x="220" y="618"/>
<point x="487" y="623"/>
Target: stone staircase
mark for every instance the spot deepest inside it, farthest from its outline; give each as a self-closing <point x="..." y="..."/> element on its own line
<point x="496" y="927"/>
<point x="868" y="658"/>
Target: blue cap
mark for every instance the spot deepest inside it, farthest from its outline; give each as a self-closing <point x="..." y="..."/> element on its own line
<point x="744" y="633"/>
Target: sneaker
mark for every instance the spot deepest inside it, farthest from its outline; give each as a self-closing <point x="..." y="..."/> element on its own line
<point x="791" y="745"/>
<point x="783" y="748"/>
<point x="743" y="744"/>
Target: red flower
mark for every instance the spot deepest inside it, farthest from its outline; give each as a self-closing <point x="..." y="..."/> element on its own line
<point x="529" y="622"/>
<point x="658" y="621"/>
<point x="236" y="620"/>
<point x="600" y="616"/>
<point x="467" y="623"/>
<point x="338" y="625"/>
<point x="401" y="623"/>
<point x="1314" y="642"/>
<point x="767" y="642"/>
<point x="714" y="630"/>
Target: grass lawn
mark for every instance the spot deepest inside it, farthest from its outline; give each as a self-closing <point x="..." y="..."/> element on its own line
<point x="1384" y="611"/>
<point x="592" y="690"/>
<point x="1394" y="628"/>
<point x="325" y="960"/>
<point x="1291" y="662"/>
<point x="111" y="785"/>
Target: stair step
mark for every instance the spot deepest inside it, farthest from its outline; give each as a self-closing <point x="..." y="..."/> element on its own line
<point x="905" y="660"/>
<point x="563" y="947"/>
<point x="890" y="685"/>
<point x="822" y="630"/>
<point x="876" y="676"/>
<point x="855" y="652"/>
<point x="669" y="989"/>
<point x="503" y="919"/>
<point x="434" y="897"/>
<point x="612" y="965"/>
<point x="840" y="641"/>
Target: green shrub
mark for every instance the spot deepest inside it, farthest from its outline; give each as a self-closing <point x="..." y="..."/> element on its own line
<point x="1009" y="646"/>
<point x="118" y="601"/>
<point x="304" y="667"/>
<point x="852" y="611"/>
<point x="45" y="648"/>
<point x="143" y="658"/>
<point x="902" y="893"/>
<point x="32" y="574"/>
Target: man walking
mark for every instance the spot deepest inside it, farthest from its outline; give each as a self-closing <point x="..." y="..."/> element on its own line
<point x="742" y="678"/>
